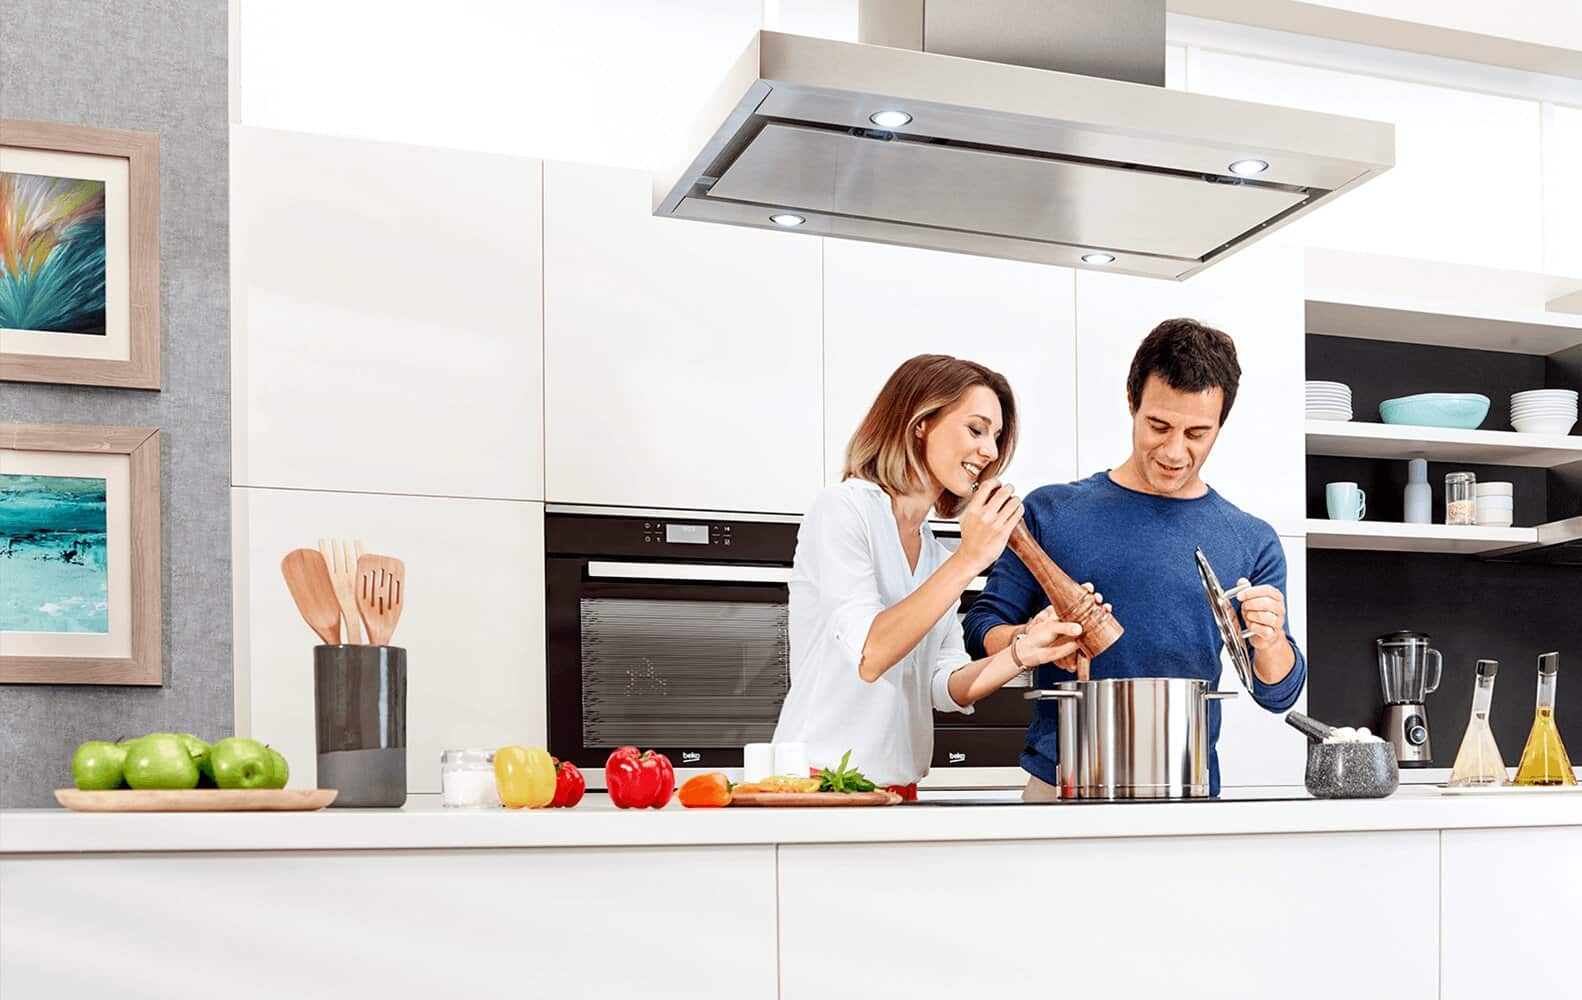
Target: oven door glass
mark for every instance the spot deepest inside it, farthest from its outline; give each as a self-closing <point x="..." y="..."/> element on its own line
<point x="679" y="673"/>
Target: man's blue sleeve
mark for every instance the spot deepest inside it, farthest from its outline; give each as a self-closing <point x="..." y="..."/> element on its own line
<point x="1010" y="597"/>
<point x="1270" y="569"/>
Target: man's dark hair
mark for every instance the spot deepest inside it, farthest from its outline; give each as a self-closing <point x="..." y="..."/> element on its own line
<point x="1190" y="357"/>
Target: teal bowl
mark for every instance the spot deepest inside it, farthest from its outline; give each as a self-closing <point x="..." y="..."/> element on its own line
<point x="1462" y="410"/>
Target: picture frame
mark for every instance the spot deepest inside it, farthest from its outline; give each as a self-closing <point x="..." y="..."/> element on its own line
<point x="80" y="562"/>
<point x="79" y="274"/>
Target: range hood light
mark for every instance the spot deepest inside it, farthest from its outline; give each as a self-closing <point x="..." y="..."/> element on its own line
<point x="1098" y="258"/>
<point x="787" y="219"/>
<point x="1249" y="168"/>
<point x="890" y="119"/>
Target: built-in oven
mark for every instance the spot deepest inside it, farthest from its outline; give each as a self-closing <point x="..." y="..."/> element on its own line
<point x="667" y="630"/>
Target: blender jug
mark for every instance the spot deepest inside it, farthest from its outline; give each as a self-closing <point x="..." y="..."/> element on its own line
<point x="1409" y="667"/>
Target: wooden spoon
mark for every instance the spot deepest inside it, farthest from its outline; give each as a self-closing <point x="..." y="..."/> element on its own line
<point x="308" y="579"/>
<point x="381" y="586"/>
<point x="1071" y="601"/>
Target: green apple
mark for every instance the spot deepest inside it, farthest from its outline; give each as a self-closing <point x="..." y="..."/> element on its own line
<point x="282" y="773"/>
<point x="239" y="762"/>
<point x="160" y="760"/>
<point x="199" y="752"/>
<point x="98" y="765"/>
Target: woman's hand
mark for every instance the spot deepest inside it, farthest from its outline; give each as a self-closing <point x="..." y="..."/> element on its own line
<point x="986" y="523"/>
<point x="1062" y="650"/>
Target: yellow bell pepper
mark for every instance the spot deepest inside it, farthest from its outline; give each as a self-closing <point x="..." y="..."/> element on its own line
<point x="524" y="776"/>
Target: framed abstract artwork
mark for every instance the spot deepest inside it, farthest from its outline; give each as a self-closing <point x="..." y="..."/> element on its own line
<point x="79" y="255"/>
<point x="79" y="555"/>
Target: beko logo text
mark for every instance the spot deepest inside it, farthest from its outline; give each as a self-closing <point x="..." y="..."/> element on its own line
<point x="690" y="757"/>
<point x="958" y="758"/>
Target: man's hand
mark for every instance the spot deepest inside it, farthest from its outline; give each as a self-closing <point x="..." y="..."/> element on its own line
<point x="1263" y="612"/>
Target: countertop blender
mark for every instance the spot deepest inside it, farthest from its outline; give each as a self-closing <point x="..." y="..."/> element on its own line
<point x="1409" y="670"/>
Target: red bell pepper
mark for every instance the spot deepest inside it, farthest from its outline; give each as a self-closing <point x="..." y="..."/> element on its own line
<point x="569" y="785"/>
<point x="639" y="780"/>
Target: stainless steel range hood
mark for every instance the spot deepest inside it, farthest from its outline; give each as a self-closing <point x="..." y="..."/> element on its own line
<point x="1006" y="160"/>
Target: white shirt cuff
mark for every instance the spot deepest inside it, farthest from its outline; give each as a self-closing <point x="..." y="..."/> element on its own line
<point x="943" y="702"/>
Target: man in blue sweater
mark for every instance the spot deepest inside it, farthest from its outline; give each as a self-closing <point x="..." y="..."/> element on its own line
<point x="1132" y="531"/>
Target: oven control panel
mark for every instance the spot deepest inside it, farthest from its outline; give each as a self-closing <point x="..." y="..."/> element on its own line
<point x="686" y="533"/>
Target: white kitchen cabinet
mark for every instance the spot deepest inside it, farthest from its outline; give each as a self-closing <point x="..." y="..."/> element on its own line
<point x="1467" y="182"/>
<point x="1209" y="917"/>
<point x="551" y="923"/>
<point x="1256" y="297"/>
<point x="1562" y="189"/>
<point x="386" y="321"/>
<point x="681" y="359"/>
<point x="884" y="304"/>
<point x="472" y="625"/>
<point x="1506" y="908"/>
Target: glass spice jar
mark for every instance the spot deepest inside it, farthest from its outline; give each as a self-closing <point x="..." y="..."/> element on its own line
<point x="1461" y="505"/>
<point x="466" y="779"/>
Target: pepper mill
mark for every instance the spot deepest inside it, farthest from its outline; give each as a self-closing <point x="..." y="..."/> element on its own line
<point x="1070" y="601"/>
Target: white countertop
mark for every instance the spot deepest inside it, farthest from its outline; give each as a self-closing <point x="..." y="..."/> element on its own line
<point x="425" y="824"/>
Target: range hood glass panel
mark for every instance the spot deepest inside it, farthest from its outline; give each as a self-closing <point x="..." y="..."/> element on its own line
<point x="1055" y="136"/>
<point x="1000" y="194"/>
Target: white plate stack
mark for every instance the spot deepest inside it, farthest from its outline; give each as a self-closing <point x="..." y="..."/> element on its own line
<point x="1328" y="401"/>
<point x="1543" y="411"/>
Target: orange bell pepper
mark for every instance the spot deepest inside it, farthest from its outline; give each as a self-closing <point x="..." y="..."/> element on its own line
<point x="706" y="791"/>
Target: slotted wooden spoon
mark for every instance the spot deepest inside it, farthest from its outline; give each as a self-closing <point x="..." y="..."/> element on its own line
<point x="381" y="586"/>
<point x="308" y="579"/>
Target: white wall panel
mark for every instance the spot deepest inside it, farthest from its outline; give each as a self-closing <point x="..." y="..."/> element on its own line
<point x="610" y="82"/>
<point x="1562" y="189"/>
<point x="387" y="317"/>
<point x="1209" y="917"/>
<point x="1467" y="182"/>
<point x="473" y="624"/>
<point x="682" y="359"/>
<point x="1256" y="297"/>
<point x="885" y="304"/>
<point x="392" y="924"/>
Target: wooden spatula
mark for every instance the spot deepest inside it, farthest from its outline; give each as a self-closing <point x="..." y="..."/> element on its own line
<point x="342" y="559"/>
<point x="381" y="583"/>
<point x="308" y="579"/>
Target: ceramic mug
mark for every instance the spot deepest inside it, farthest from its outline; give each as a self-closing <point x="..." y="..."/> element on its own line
<point x="1345" y="501"/>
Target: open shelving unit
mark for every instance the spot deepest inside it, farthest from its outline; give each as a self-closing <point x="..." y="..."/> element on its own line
<point x="1369" y="297"/>
<point x="1385" y="536"/>
<point x="1397" y="441"/>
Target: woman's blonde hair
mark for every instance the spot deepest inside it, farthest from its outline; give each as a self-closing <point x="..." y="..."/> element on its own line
<point x="884" y="450"/>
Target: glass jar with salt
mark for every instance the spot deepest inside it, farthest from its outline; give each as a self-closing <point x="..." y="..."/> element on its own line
<point x="1460" y="501"/>
<point x="466" y="779"/>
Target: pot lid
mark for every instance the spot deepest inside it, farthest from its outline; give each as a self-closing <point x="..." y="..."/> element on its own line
<point x="1230" y="630"/>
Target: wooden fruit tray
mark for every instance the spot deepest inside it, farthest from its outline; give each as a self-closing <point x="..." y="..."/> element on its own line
<point x="197" y="800"/>
<point x="816" y="799"/>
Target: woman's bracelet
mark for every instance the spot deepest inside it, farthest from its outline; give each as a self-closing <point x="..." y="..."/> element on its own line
<point x="1014" y="658"/>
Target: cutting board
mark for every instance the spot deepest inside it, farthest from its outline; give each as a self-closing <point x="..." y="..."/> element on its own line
<point x="197" y="800"/>
<point x="816" y="799"/>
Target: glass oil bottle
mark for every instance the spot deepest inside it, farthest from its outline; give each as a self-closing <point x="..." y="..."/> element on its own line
<point x="1544" y="761"/>
<point x="1478" y="762"/>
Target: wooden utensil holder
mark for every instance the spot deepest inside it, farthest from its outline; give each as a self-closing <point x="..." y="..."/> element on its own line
<point x="1069" y="599"/>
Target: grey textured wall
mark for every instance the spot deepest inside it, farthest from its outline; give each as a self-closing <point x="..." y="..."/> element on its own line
<point x="155" y="66"/>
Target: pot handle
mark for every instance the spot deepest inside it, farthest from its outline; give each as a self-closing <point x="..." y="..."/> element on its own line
<point x="1220" y="695"/>
<point x="1049" y="694"/>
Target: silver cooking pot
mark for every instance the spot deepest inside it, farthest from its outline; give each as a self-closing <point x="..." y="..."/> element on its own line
<point x="1133" y="738"/>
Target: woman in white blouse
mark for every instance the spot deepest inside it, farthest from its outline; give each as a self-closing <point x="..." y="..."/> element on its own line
<point x="875" y="642"/>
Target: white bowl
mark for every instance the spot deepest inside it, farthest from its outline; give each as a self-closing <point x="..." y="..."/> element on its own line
<point x="1336" y="417"/>
<point x="1544" y="425"/>
<point x="1321" y="384"/>
<point x="1492" y="489"/>
<point x="1544" y="411"/>
<point x="1494" y="503"/>
<point x="1503" y="521"/>
<point x="1570" y="395"/>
